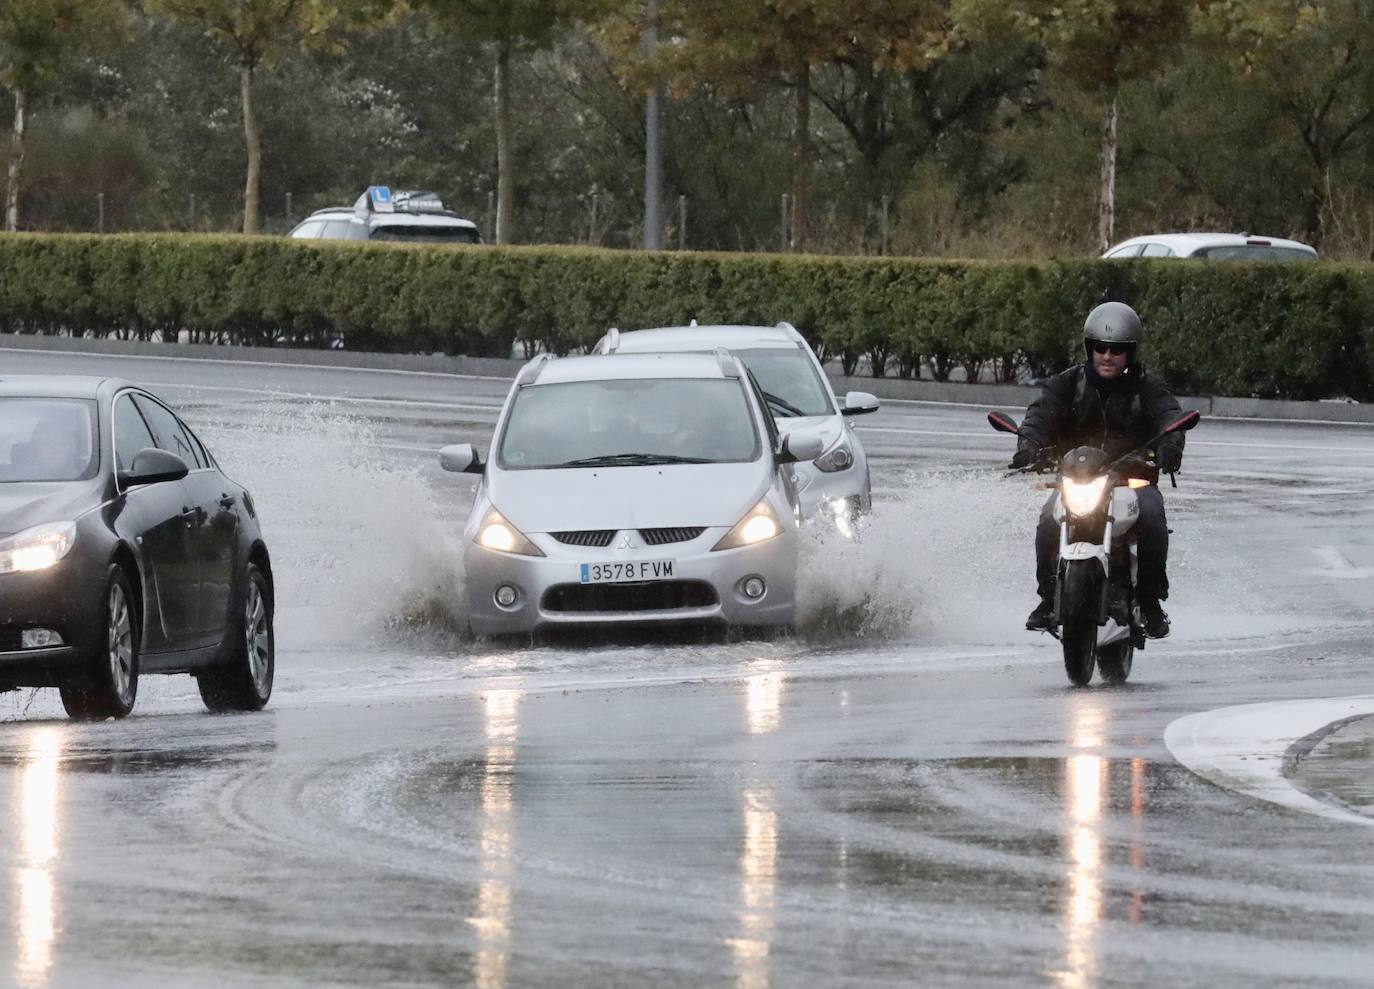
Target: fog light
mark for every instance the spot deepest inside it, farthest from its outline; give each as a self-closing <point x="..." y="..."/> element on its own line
<point x="754" y="588"/>
<point x="506" y="595"/>
<point x="39" y="638"/>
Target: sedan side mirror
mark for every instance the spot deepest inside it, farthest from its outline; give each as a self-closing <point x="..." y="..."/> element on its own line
<point x="859" y="403"/>
<point x="799" y="445"/>
<point x="153" y="466"/>
<point x="461" y="458"/>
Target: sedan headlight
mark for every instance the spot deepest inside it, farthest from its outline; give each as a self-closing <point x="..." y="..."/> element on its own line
<point x="1083" y="497"/>
<point x="37" y="548"/>
<point x="760" y="525"/>
<point x="839" y="457"/>
<point x="496" y="533"/>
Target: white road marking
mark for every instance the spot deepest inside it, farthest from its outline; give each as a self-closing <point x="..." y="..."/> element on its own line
<point x="249" y="363"/>
<point x="1243" y="748"/>
<point x="1338" y="565"/>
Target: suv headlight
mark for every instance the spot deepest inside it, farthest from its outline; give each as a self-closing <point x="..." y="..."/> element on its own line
<point x="1083" y="497"/>
<point x="759" y="525"/>
<point x="839" y="457"/>
<point x="37" y="548"/>
<point x="497" y="534"/>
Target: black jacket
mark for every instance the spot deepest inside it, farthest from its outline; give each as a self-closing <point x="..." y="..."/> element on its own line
<point x="1077" y="408"/>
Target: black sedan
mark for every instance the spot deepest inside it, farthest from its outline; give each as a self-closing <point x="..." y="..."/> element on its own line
<point x="124" y="550"/>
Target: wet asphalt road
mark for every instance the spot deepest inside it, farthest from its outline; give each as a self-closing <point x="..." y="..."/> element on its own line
<point x="905" y="792"/>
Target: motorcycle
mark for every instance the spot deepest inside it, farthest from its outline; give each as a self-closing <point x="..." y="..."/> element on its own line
<point x="1096" y="615"/>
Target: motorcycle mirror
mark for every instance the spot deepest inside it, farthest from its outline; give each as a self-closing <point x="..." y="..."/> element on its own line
<point x="1003" y="423"/>
<point x="1185" y="422"/>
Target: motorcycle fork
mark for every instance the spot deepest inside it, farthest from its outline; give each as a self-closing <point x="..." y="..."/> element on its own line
<point x="1106" y="562"/>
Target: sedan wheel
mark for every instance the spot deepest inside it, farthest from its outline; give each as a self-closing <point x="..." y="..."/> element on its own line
<point x="113" y="687"/>
<point x="243" y="680"/>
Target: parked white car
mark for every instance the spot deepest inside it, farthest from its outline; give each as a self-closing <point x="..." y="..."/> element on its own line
<point x="799" y="396"/>
<point x="640" y="489"/>
<point x="1216" y="247"/>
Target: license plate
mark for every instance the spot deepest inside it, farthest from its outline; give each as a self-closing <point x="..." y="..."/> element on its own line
<point x="627" y="573"/>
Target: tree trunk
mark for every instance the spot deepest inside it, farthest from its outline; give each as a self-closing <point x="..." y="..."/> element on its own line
<point x="16" y="162"/>
<point x="505" y="165"/>
<point x="1106" y="214"/>
<point x="801" y="164"/>
<point x="253" y="140"/>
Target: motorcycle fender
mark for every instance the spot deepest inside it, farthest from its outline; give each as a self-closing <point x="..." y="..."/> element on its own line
<point x="1084" y="551"/>
<point x="1111" y="632"/>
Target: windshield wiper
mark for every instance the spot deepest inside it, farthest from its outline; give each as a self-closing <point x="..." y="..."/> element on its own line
<point x="634" y="460"/>
<point x="787" y="408"/>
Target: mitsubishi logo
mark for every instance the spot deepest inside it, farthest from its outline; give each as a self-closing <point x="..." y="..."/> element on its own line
<point x="627" y="542"/>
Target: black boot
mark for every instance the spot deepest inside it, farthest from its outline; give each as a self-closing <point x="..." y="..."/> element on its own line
<point x="1155" y="619"/>
<point x="1042" y="618"/>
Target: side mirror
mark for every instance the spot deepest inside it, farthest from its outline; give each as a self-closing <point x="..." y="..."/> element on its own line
<point x="1003" y="423"/>
<point x="153" y="466"/>
<point x="803" y="444"/>
<point x="461" y="458"/>
<point x="1184" y="423"/>
<point x="859" y="403"/>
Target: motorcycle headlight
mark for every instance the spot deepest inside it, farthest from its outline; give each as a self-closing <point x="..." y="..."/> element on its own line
<point x="37" y="548"/>
<point x="759" y="525"/>
<point x="1083" y="497"/>
<point x="839" y="457"/>
<point x="497" y="534"/>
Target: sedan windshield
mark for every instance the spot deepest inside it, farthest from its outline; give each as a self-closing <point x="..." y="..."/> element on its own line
<point x="47" y="439"/>
<point x="630" y="423"/>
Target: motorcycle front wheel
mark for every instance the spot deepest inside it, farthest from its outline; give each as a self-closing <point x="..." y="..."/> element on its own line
<point x="1080" y="603"/>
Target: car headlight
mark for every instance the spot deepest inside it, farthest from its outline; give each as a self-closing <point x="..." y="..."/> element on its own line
<point x="760" y="525"/>
<point x="37" y="548"/>
<point x="496" y="533"/>
<point x="839" y="457"/>
<point x="1083" y="497"/>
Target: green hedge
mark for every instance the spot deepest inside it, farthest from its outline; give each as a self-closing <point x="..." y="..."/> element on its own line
<point x="1275" y="331"/>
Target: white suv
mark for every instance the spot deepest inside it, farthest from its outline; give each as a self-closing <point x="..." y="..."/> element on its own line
<point x="380" y="214"/>
<point x="1217" y="247"/>
<point x="798" y="395"/>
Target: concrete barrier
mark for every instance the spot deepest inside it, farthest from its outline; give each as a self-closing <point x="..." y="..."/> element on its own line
<point x="935" y="392"/>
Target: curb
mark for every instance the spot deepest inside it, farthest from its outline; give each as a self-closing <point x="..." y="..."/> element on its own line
<point x="899" y="389"/>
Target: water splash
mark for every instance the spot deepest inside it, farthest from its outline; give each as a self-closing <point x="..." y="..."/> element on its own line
<point x="359" y="542"/>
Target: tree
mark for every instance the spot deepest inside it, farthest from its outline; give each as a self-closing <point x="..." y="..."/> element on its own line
<point x="509" y="26"/>
<point x="737" y="47"/>
<point x="1315" y="61"/>
<point x="259" y="33"/>
<point x="1098" y="45"/>
<point x="38" y="38"/>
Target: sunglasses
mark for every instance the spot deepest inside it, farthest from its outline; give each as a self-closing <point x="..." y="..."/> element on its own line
<point x="1115" y="349"/>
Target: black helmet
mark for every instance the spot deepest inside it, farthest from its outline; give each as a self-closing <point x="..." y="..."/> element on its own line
<point x="1113" y="322"/>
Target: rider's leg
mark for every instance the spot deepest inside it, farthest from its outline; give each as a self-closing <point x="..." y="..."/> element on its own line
<point x="1046" y="565"/>
<point x="1152" y="544"/>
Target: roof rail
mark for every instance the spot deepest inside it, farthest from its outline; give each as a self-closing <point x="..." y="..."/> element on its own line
<point x="530" y="374"/>
<point x="729" y="365"/>
<point x="784" y="325"/>
<point x="612" y="340"/>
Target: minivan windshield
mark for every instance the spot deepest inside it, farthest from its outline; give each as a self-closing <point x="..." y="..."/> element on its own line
<point x="789" y="381"/>
<point x="629" y="423"/>
<point x="47" y="439"/>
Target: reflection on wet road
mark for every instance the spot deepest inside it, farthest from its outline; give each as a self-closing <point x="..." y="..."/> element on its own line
<point x="906" y="793"/>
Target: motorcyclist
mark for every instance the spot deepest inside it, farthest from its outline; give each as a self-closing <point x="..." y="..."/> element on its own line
<point x="1111" y="402"/>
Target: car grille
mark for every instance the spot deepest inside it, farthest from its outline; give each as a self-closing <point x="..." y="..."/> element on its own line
<point x="586" y="537"/>
<point x="9" y="638"/>
<point x="662" y="595"/>
<point x="679" y="534"/>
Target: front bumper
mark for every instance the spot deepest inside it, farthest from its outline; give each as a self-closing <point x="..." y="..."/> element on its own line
<point x="54" y="599"/>
<point x="706" y="586"/>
